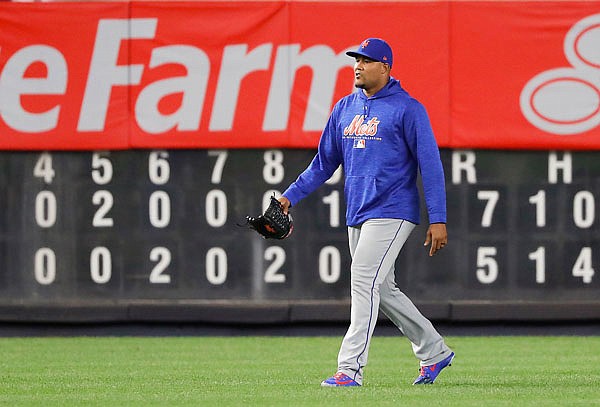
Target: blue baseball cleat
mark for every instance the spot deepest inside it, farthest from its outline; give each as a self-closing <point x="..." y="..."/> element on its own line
<point x="339" y="380"/>
<point x="428" y="374"/>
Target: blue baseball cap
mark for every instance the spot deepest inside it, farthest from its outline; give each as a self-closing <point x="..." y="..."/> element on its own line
<point x="375" y="49"/>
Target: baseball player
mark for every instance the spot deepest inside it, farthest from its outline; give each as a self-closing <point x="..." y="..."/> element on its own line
<point x="382" y="137"/>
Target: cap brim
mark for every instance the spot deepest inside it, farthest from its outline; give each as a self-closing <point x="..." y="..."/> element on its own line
<point x="355" y="54"/>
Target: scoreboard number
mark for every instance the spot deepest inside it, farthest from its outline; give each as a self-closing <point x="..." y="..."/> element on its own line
<point x="45" y="209"/>
<point x="162" y="257"/>
<point x="159" y="209"/>
<point x="491" y="198"/>
<point x="159" y="170"/>
<point x="487" y="266"/>
<point x="333" y="200"/>
<point x="539" y="257"/>
<point x="584" y="213"/>
<point x="330" y="264"/>
<point x="102" y="168"/>
<point x="539" y="200"/>
<point x="216" y="208"/>
<point x="43" y="168"/>
<point x="217" y="172"/>
<point x="100" y="265"/>
<point x="276" y="255"/>
<point x="216" y="265"/>
<point x="273" y="171"/>
<point x="45" y="266"/>
<point x="583" y="265"/>
<point x="104" y="200"/>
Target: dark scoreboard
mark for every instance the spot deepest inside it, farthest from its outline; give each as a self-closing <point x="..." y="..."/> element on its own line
<point x="152" y="235"/>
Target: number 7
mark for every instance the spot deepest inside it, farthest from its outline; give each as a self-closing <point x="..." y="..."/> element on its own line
<point x="488" y="213"/>
<point x="217" y="172"/>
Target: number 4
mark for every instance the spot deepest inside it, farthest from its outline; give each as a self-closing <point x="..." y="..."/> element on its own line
<point x="583" y="265"/>
<point x="43" y="168"/>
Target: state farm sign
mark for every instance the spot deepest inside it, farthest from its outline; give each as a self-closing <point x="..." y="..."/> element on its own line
<point x="261" y="74"/>
<point x="116" y="37"/>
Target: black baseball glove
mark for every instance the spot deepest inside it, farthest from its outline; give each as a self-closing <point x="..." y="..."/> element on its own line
<point x="274" y="223"/>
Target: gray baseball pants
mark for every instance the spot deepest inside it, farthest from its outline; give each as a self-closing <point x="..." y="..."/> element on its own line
<point x="374" y="247"/>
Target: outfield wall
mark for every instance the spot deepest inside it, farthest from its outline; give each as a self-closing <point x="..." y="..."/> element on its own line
<point x="152" y="235"/>
<point x="134" y="136"/>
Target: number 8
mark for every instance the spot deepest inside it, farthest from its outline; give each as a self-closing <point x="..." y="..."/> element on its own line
<point x="273" y="171"/>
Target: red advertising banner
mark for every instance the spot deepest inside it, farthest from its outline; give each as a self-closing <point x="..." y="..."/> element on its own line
<point x="46" y="77"/>
<point x="525" y="75"/>
<point x="116" y="75"/>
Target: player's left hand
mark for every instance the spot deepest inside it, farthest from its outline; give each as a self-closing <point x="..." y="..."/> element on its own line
<point x="437" y="237"/>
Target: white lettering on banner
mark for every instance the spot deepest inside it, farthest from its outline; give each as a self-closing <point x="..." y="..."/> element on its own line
<point x="105" y="74"/>
<point x="325" y="65"/>
<point x="192" y="86"/>
<point x="14" y="84"/>
<point x="236" y="64"/>
<point x="566" y="101"/>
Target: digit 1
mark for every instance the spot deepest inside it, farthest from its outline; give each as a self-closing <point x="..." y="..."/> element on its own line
<point x="539" y="200"/>
<point x="539" y="256"/>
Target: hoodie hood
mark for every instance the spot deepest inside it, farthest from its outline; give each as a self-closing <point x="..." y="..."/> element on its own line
<point x="391" y="88"/>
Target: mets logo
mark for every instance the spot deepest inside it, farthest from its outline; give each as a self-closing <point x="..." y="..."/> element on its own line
<point x="566" y="101"/>
<point x="364" y="44"/>
<point x="358" y="127"/>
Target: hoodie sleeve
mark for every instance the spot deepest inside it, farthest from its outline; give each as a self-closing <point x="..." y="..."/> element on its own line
<point x="423" y="145"/>
<point x="323" y="165"/>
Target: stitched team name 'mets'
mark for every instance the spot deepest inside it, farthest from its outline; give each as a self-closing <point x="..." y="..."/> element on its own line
<point x="358" y="127"/>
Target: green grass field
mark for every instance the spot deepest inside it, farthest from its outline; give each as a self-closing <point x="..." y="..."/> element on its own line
<point x="286" y="371"/>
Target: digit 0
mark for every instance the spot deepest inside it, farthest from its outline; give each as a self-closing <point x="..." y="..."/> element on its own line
<point x="216" y="208"/>
<point x="159" y="206"/>
<point x="584" y="212"/>
<point x="45" y="209"/>
<point x="330" y="264"/>
<point x="45" y="266"/>
<point x="216" y="266"/>
<point x="100" y="265"/>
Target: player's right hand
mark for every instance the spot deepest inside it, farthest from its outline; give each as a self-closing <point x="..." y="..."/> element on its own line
<point x="437" y="236"/>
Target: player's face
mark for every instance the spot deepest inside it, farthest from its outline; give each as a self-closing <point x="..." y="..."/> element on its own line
<point x="370" y="75"/>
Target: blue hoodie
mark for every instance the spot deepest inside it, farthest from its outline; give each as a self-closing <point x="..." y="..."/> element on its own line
<point x="381" y="142"/>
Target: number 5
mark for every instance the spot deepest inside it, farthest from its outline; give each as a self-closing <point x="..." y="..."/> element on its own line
<point x="487" y="266"/>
